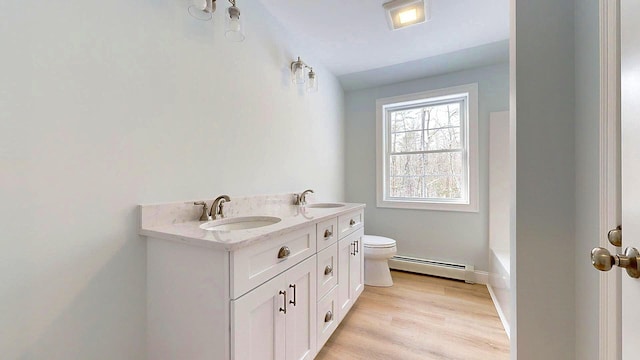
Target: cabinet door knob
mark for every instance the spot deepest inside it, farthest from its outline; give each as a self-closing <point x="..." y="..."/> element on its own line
<point x="352" y="222"/>
<point x="329" y="316"/>
<point x="328" y="270"/>
<point x="327" y="234"/>
<point x="284" y="252"/>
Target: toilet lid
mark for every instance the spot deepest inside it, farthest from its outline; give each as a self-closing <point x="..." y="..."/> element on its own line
<point x="372" y="241"/>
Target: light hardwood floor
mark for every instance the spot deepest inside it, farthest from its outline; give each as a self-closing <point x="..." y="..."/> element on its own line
<point x="420" y="317"/>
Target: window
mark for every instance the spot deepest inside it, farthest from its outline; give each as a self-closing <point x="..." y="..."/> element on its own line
<point x="427" y="150"/>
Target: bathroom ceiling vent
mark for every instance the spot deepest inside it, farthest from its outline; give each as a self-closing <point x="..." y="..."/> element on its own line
<point x="403" y="13"/>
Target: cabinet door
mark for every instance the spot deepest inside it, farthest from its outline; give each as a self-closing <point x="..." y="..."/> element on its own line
<point x="258" y="323"/>
<point x="301" y="329"/>
<point x="356" y="268"/>
<point x="345" y="253"/>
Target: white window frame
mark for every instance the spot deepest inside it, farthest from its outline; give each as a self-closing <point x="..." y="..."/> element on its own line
<point x="470" y="149"/>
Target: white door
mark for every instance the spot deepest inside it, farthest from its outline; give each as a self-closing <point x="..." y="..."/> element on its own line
<point x="258" y="320"/>
<point x="300" y="336"/>
<point x="630" y="112"/>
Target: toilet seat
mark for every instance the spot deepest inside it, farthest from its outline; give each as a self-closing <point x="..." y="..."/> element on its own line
<point x="377" y="242"/>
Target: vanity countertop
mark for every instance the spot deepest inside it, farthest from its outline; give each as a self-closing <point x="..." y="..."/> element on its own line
<point x="175" y="222"/>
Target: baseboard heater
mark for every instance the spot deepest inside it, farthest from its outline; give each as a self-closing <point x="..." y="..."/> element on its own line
<point x="434" y="268"/>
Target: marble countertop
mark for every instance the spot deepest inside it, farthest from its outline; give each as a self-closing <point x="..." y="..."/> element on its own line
<point x="175" y="222"/>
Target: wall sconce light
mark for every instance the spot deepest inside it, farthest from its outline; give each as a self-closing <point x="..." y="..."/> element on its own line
<point x="233" y="30"/>
<point x="300" y="75"/>
<point x="204" y="9"/>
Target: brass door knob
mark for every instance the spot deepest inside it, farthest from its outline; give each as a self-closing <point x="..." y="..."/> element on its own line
<point x="602" y="260"/>
<point x="615" y="236"/>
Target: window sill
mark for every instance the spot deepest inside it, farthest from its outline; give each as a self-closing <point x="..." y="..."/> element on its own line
<point x="433" y="206"/>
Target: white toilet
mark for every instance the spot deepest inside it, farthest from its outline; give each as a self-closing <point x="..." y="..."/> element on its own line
<point x="377" y="251"/>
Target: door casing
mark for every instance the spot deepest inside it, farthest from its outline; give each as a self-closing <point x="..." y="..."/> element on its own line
<point x="610" y="195"/>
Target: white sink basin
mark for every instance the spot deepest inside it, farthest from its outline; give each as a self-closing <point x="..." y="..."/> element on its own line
<point x="325" y="205"/>
<point x="240" y="223"/>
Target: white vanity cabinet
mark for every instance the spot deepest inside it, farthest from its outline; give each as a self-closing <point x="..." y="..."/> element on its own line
<point x="278" y="296"/>
<point x="277" y="320"/>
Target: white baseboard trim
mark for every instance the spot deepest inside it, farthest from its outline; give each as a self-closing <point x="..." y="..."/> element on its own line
<point x="503" y="319"/>
<point x="466" y="273"/>
<point x="482" y="277"/>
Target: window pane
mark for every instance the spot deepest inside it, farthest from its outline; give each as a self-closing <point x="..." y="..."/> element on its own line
<point x="406" y="141"/>
<point x="443" y="164"/>
<point x="442" y="139"/>
<point x="405" y="120"/>
<point x="406" y="187"/>
<point x="443" y="187"/>
<point x="406" y="165"/>
<point x="445" y="115"/>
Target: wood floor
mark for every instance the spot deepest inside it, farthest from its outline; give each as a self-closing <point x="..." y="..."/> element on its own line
<point x="420" y="317"/>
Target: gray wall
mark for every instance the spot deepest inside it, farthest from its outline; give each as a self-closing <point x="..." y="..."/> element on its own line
<point x="544" y="113"/>
<point x="441" y="235"/>
<point x="106" y="105"/>
<point x="587" y="175"/>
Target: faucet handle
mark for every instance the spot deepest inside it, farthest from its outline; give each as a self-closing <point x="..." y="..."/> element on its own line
<point x="205" y="214"/>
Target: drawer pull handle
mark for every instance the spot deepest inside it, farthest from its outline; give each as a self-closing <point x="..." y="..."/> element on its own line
<point x="352" y="222"/>
<point x="293" y="302"/>
<point x="328" y="270"/>
<point x="354" y="248"/>
<point x="284" y="252"/>
<point x="328" y="234"/>
<point x="328" y="317"/>
<point x="357" y="246"/>
<point x="284" y="309"/>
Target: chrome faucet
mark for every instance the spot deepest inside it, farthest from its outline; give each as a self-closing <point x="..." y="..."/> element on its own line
<point x="302" y="198"/>
<point x="216" y="207"/>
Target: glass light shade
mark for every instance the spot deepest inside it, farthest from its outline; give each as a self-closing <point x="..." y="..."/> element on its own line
<point x="202" y="9"/>
<point x="298" y="73"/>
<point x="233" y="29"/>
<point x="312" y="84"/>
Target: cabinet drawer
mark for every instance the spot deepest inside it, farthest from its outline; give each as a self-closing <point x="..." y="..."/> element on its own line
<point x="350" y="222"/>
<point x="259" y="262"/>
<point x="327" y="320"/>
<point x="327" y="270"/>
<point x="327" y="233"/>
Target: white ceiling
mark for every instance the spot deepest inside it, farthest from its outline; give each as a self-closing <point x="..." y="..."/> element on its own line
<point x="349" y="36"/>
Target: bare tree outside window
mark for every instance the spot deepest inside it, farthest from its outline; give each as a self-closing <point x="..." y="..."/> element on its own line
<point x="426" y="152"/>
